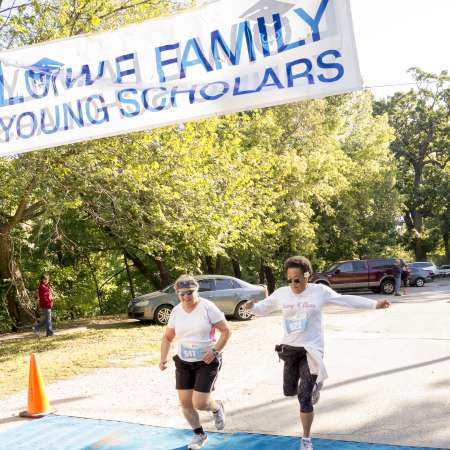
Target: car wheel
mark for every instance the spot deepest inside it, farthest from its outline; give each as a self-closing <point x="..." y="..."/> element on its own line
<point x="419" y="282"/>
<point x="387" y="286"/>
<point x="162" y="314"/>
<point x="240" y="313"/>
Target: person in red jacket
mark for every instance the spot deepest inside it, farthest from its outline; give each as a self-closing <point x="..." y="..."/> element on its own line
<point x="45" y="293"/>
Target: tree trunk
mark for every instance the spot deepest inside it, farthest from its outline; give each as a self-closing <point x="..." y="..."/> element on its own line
<point x="419" y="250"/>
<point x="15" y="295"/>
<point x="447" y="247"/>
<point x="209" y="265"/>
<point x="261" y="274"/>
<point x="130" y="279"/>
<point x="270" y="279"/>
<point x="164" y="273"/>
<point x="416" y="215"/>
<point x="445" y="238"/>
<point x="236" y="268"/>
<point x="97" y="288"/>
<point x="144" y="269"/>
<point x="219" y="265"/>
<point x="418" y="244"/>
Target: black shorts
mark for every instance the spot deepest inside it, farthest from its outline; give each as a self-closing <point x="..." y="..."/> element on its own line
<point x="297" y="379"/>
<point x="199" y="376"/>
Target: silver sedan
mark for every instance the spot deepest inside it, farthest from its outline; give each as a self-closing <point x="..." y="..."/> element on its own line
<point x="228" y="293"/>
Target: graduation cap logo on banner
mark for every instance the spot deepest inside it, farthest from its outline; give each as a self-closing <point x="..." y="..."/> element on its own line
<point x="43" y="68"/>
<point x="262" y="7"/>
<point x="265" y="8"/>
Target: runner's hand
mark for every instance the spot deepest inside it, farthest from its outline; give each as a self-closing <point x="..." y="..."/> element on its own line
<point x="382" y="304"/>
<point x="249" y="304"/>
<point x="163" y="365"/>
<point x="209" y="357"/>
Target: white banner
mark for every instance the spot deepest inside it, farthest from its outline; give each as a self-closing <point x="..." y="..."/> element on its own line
<point x="228" y="56"/>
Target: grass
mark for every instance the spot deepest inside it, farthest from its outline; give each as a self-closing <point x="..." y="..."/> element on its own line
<point x="92" y="345"/>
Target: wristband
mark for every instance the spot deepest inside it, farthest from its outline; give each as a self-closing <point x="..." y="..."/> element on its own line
<point x="215" y="352"/>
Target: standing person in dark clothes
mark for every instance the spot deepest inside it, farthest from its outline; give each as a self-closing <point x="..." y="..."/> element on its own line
<point x="404" y="276"/>
<point x="397" y="272"/>
<point x="45" y="293"/>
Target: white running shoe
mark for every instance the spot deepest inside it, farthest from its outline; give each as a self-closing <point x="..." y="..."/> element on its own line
<point x="198" y="441"/>
<point x="306" y="444"/>
<point x="219" y="416"/>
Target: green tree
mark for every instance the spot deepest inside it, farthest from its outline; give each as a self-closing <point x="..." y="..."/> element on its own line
<point x="361" y="219"/>
<point x="28" y="180"/>
<point x="420" y="119"/>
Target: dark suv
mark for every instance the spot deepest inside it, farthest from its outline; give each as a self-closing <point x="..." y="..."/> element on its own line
<point x="374" y="274"/>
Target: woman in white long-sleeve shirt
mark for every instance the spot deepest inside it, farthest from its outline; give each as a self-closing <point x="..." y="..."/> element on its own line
<point x="302" y="344"/>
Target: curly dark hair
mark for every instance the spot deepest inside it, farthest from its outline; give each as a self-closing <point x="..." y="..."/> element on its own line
<point x="298" y="262"/>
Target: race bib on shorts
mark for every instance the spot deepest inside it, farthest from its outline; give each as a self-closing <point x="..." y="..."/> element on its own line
<point x="296" y="324"/>
<point x="192" y="352"/>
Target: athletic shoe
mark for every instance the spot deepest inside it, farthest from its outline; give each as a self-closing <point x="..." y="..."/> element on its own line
<point x="198" y="441"/>
<point x="34" y="329"/>
<point x="316" y="393"/>
<point x="306" y="444"/>
<point x="219" y="416"/>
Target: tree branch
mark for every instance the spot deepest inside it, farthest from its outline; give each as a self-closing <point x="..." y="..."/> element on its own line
<point x="6" y="216"/>
<point x="21" y="209"/>
<point x="14" y="6"/>
<point x="34" y="210"/>
<point x="124" y="8"/>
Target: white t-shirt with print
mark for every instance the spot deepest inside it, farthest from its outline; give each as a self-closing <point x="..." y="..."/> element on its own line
<point x="195" y="331"/>
<point x="302" y="313"/>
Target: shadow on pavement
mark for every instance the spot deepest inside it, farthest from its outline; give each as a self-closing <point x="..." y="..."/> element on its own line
<point x="387" y="372"/>
<point x="12" y="419"/>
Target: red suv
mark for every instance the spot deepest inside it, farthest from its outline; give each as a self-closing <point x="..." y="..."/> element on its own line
<point x="373" y="274"/>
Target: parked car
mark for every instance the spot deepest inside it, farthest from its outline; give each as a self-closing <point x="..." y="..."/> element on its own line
<point x="418" y="277"/>
<point x="426" y="265"/>
<point x="228" y="293"/>
<point x="373" y="274"/>
<point x="444" y="271"/>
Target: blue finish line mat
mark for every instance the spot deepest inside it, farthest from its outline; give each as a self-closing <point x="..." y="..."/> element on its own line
<point x="72" y="433"/>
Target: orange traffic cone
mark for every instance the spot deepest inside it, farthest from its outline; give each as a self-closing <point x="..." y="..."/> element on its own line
<point x="38" y="404"/>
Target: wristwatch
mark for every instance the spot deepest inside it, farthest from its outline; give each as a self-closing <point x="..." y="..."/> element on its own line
<point x="215" y="352"/>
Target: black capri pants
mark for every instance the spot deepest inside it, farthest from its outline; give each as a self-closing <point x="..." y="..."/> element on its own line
<point x="297" y="379"/>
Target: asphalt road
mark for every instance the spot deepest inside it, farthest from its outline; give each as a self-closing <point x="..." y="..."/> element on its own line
<point x="389" y="379"/>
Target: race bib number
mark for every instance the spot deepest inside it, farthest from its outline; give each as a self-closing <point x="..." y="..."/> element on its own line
<point x="296" y="324"/>
<point x="191" y="352"/>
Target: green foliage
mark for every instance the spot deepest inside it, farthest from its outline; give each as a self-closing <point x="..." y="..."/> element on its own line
<point x="240" y="192"/>
<point x="361" y="220"/>
<point x="422" y="150"/>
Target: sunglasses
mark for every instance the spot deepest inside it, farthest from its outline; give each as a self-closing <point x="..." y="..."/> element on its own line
<point x="182" y="294"/>
<point x="295" y="280"/>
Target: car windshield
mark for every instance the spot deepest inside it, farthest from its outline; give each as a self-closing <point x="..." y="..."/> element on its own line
<point x="333" y="267"/>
